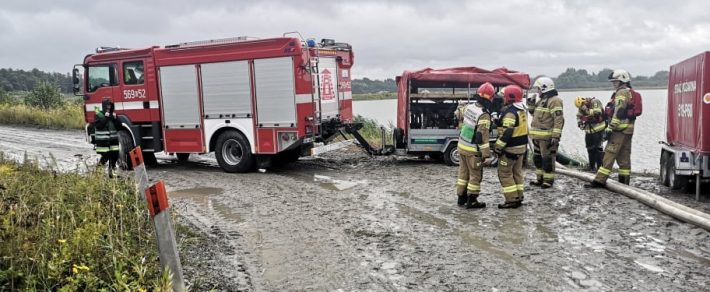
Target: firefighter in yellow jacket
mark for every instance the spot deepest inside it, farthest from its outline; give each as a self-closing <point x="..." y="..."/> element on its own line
<point x="590" y="119"/>
<point x="620" y="132"/>
<point x="511" y="146"/>
<point x="545" y="130"/>
<point x="473" y="147"/>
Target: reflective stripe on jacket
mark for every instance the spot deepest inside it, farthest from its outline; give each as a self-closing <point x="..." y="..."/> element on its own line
<point x="591" y="119"/>
<point x="548" y="118"/>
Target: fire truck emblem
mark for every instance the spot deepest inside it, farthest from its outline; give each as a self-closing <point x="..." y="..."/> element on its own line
<point x="327" y="92"/>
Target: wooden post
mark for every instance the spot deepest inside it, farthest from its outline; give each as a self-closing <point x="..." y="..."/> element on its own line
<point x="158" y="206"/>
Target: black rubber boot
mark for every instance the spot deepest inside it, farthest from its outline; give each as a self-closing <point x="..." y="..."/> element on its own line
<point x="594" y="185"/>
<point x="462" y="200"/>
<point x="510" y="205"/>
<point x="537" y="183"/>
<point x="546" y="185"/>
<point x="473" y="203"/>
<point x="624" y="179"/>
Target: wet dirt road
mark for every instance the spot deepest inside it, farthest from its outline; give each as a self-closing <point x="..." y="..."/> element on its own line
<point x="347" y="222"/>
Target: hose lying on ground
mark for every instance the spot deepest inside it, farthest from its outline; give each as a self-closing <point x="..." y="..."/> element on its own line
<point x="664" y="205"/>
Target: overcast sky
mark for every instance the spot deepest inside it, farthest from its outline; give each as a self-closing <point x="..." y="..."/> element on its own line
<point x="537" y="37"/>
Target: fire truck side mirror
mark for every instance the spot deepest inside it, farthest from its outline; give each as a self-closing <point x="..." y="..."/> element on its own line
<point x="76" y="81"/>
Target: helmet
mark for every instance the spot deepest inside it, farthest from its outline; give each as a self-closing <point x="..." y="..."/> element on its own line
<point x="512" y="94"/>
<point x="620" y="75"/>
<point x="486" y="91"/>
<point x="544" y="84"/>
<point x="579" y="101"/>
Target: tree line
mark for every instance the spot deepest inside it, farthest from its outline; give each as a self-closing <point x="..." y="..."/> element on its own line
<point x="570" y="79"/>
<point x="21" y="80"/>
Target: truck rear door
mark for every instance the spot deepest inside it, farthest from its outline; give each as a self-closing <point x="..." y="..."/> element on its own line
<point x="328" y="88"/>
<point x="181" y="110"/>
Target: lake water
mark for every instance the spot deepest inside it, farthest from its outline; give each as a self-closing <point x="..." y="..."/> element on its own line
<point x="650" y="127"/>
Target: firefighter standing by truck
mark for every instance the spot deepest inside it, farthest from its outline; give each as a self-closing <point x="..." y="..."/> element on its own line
<point x="545" y="130"/>
<point x="620" y="131"/>
<point x="511" y="147"/>
<point x="106" y="135"/>
<point x="473" y="147"/>
<point x="590" y="119"/>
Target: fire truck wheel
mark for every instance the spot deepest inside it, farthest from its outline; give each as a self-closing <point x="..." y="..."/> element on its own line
<point x="125" y="145"/>
<point x="451" y="156"/>
<point x="663" y="175"/>
<point x="233" y="153"/>
<point x="675" y="181"/>
<point x="183" y="156"/>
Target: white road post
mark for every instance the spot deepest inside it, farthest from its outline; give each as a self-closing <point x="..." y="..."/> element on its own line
<point x="167" y="247"/>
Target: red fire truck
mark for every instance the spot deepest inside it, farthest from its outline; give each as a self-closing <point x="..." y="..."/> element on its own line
<point x="253" y="102"/>
<point x="686" y="152"/>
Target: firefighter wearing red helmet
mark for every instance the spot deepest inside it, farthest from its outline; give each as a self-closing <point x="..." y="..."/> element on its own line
<point x="620" y="131"/>
<point x="511" y="146"/>
<point x="545" y="130"/>
<point x="474" y="148"/>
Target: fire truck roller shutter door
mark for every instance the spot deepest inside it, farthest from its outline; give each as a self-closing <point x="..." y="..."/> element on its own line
<point x="226" y="90"/>
<point x="226" y="96"/>
<point x="275" y="92"/>
<point x="181" y="109"/>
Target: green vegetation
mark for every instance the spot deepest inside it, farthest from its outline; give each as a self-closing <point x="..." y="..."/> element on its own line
<point x="579" y="79"/>
<point x="69" y="115"/>
<point x="44" y="96"/>
<point x="20" y="80"/>
<point x="366" y="85"/>
<point x="372" y="133"/>
<point x="44" y="106"/>
<point x="74" y="232"/>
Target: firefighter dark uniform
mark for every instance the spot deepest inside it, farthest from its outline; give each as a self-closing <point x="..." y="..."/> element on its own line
<point x="106" y="135"/>
<point x="621" y="128"/>
<point x="590" y="119"/>
<point x="511" y="147"/>
<point x="473" y="148"/>
<point x="545" y="131"/>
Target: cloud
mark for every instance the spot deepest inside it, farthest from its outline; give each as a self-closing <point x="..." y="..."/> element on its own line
<point x="538" y="37"/>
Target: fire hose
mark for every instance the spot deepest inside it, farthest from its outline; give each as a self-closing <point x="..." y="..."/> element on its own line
<point x="657" y="202"/>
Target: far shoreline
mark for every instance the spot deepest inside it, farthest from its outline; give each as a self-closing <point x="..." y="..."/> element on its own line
<point x="393" y="95"/>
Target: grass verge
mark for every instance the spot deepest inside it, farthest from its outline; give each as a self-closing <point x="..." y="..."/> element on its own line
<point x="74" y="232"/>
<point x="68" y="116"/>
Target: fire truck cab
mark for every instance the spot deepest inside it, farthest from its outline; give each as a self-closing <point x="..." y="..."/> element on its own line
<point x="253" y="102"/>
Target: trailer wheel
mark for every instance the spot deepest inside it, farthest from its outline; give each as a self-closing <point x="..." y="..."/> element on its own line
<point x="451" y="156"/>
<point x="675" y="181"/>
<point x="234" y="153"/>
<point x="182" y="157"/>
<point x="125" y="145"/>
<point x="663" y="173"/>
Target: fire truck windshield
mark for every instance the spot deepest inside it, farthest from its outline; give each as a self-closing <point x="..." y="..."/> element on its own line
<point x="101" y="76"/>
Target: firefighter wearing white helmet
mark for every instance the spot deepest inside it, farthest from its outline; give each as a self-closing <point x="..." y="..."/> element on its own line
<point x="620" y="131"/>
<point x="473" y="147"/>
<point x="545" y="130"/>
<point x="590" y="119"/>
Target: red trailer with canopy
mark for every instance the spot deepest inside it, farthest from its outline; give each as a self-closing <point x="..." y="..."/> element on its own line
<point x="427" y="99"/>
